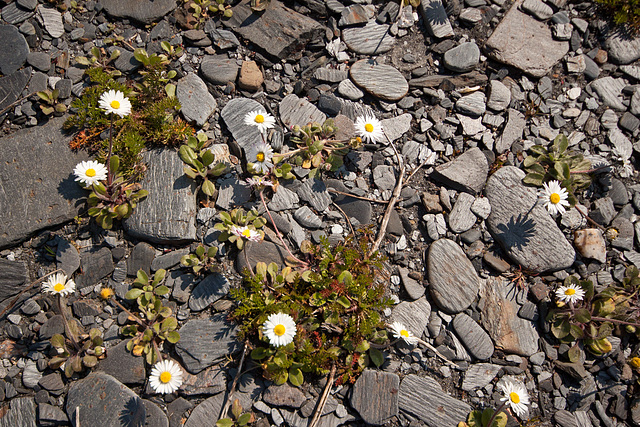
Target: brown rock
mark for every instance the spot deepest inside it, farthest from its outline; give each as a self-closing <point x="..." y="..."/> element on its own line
<point x="251" y="77"/>
<point x="591" y="244"/>
<point x="284" y="395"/>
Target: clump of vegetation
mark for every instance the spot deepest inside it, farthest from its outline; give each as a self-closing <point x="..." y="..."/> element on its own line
<point x="240" y="418"/>
<point x="50" y="104"/>
<point x="335" y="303"/>
<point x="205" y="9"/>
<point x="199" y="163"/>
<point x="202" y="260"/>
<point x="482" y="418"/>
<point x="78" y="352"/>
<point x="236" y="227"/>
<point x="623" y="12"/>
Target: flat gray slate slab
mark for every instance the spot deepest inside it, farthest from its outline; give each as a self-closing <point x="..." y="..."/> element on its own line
<point x="210" y="290"/>
<point x="299" y="111"/>
<point x="453" y="281"/>
<point x="143" y="11"/>
<point x="423" y="397"/>
<point x="278" y="31"/>
<point x="474" y="338"/>
<point x="12" y="275"/>
<point x="372" y="39"/>
<point x="479" y="375"/>
<point x="512" y="131"/>
<point x="36" y="194"/>
<point x="468" y="172"/>
<point x="436" y="18"/>
<point x="525" y="43"/>
<point x="233" y="115"/>
<point x="380" y="80"/>
<point x="413" y="315"/>
<point x="167" y="215"/>
<point x="522" y="226"/>
<point x="22" y="413"/>
<point x="203" y="342"/>
<point x="375" y="396"/>
<point x="101" y="397"/>
<point x="197" y="104"/>
<point x="12" y="41"/>
<point x="623" y="49"/>
<point x="51" y="20"/>
<point x="11" y="86"/>
<point x="219" y="69"/>
<point x="204" y="414"/>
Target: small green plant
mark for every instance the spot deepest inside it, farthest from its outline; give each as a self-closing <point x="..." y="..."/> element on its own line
<point x="50" y="103"/>
<point x="239" y="419"/>
<point x="556" y="163"/>
<point x="100" y="59"/>
<point x="199" y="160"/>
<point x="205" y="9"/>
<point x="236" y="227"/>
<point x="478" y="418"/>
<point x="202" y="260"/>
<point x="625" y="13"/>
<point x="77" y="353"/>
<point x="156" y="322"/>
<point x="174" y="52"/>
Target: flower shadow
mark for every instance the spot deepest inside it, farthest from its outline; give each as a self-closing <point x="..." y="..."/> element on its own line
<point x="133" y="414"/>
<point x="517" y="233"/>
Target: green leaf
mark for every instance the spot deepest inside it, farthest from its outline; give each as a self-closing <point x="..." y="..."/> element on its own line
<point x="89" y="360"/>
<point x="576" y="332"/>
<point x="57" y="341"/>
<point x="133" y="294"/>
<point x="141" y="55"/>
<point x="142" y="277"/>
<point x="187" y="154"/>
<point x="574" y="354"/>
<point x="207" y="157"/>
<point x="168" y="324"/>
<point x="295" y="377"/>
<point x="346" y="277"/>
<point x="260" y="353"/>
<point x="208" y="188"/>
<point x="583" y="316"/>
<point x="236" y="409"/>
<point x="560" y="328"/>
<point x="376" y="356"/>
<point x="534" y="179"/>
<point x="344" y="301"/>
<point x="224" y="422"/>
<point x="173" y="337"/>
<point x="563" y="170"/>
<point x="244" y="419"/>
<point x="560" y="144"/>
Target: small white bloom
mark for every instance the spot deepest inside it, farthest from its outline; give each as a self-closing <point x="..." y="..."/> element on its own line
<point x="369" y="128"/>
<point x="166" y="377"/>
<point x="90" y="172"/>
<point x="572" y="293"/>
<point x="261" y="157"/>
<point x="115" y="102"/>
<point x="400" y="332"/>
<point x="246" y="233"/>
<point x="279" y="329"/>
<point x="554" y="197"/>
<point x="516" y="396"/>
<point x="58" y="284"/>
<point x="260" y="119"/>
<point x="258" y="181"/>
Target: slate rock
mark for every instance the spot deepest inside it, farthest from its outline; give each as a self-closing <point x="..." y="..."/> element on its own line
<point x="512" y="131"/>
<point x="522" y="226"/>
<point x="436" y="19"/>
<point x="314" y="192"/>
<point x="224" y="39"/>
<point x="49" y="415"/>
<point x="499" y="96"/>
<point x="590" y="243"/>
<point x="329" y="104"/>
<point x="298" y="111"/>
<point x="462" y="58"/>
<point x="54" y="325"/>
<point x="610" y="91"/>
<point x="330" y="75"/>
<point x="380" y="80"/>
<point x="307" y="218"/>
<point x="509" y="332"/>
<point x="284" y="395"/>
<point x="479" y="375"/>
<point x="233" y="115"/>
<point x="468" y="172"/>
<point x="15" y="14"/>
<point x="167" y="215"/>
<point x="375" y="396"/>
<point x="474" y="338"/>
<point x="168" y="260"/>
<point x="284" y="199"/>
<point x="347" y="89"/>
<point x="422" y="397"/>
<point x="384" y="177"/>
<point x="141" y="257"/>
<point x="208" y="291"/>
<point x="354" y="208"/>
<point x="176" y="410"/>
<point x="525" y="43"/>
<point x="537" y="8"/>
<point x="473" y="105"/>
<point x="46" y="190"/>
<point x="622" y="49"/>
<point x="210" y="381"/>
<point x="372" y="39"/>
<point x="453" y="280"/>
<point x="278" y="31"/>
<point x="41" y="61"/>
<point x="51" y="20"/>
<point x="219" y="69"/>
<point x="196" y="101"/>
<point x="413" y="315"/>
<point x="232" y="192"/>
<point x="11" y="86"/>
<point x="603" y="211"/>
<point x="155" y="416"/>
<point x="205" y="341"/>
<point x="413" y="288"/>
<point x="461" y="218"/>
<point x="12" y="41"/>
<point x="13" y="275"/>
<point x="473" y="78"/>
<point x="264" y="251"/>
<point x="101" y="397"/>
<point x="21" y="413"/>
<point x="397" y="126"/>
<point x="142" y="11"/>
<point x="202" y="415"/>
<point x="97" y="263"/>
<point x="123" y="366"/>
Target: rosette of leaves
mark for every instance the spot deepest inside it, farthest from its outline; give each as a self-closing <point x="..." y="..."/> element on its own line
<point x="116" y="199"/>
<point x="89" y="350"/>
<point x="156" y="323"/>
<point x="239" y="419"/>
<point x="100" y="59"/>
<point x="199" y="162"/>
<point x="202" y="260"/>
<point x="556" y="163"/>
<point x="50" y="103"/>
<point x="155" y="73"/>
<point x="204" y="9"/>
<point x="237" y="218"/>
<point x="478" y="418"/>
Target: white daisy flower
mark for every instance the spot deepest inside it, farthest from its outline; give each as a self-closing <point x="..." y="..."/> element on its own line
<point x="258" y="181"/>
<point x="58" y="284"/>
<point x="246" y="233"/>
<point x="369" y="128"/>
<point x="166" y="377"/>
<point x="572" y="293"/>
<point x="516" y="396"/>
<point x="115" y="102"/>
<point x="554" y="197"/>
<point x="400" y="332"/>
<point x="90" y="172"/>
<point x="260" y="119"/>
<point x="279" y="329"/>
<point x="262" y="155"/>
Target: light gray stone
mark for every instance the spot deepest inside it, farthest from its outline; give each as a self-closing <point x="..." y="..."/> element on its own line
<point x="14" y="14"/>
<point x="208" y="291"/>
<point x="499" y="96"/>
<point x="413" y="288"/>
<point x="307" y="218"/>
<point x="196" y="101"/>
<point x="462" y="58"/>
<point x="22" y="413"/>
<point x="233" y="115"/>
<point x="422" y="397"/>
<point x="203" y="414"/>
<point x="512" y="131"/>
<point x="372" y="39"/>
<point x="283" y="199"/>
<point x="349" y="90"/>
<point x="461" y="218"/>
<point x="466" y="173"/>
<point x="298" y="111"/>
<point x="314" y="192"/>
<point x="622" y="49"/>
<point x="375" y="396"/>
<point x="232" y="192"/>
<point x="413" y="315"/>
<point x="479" y="375"/>
<point x="143" y="11"/>
<point x="219" y="69"/>
<point x="537" y="8"/>
<point x="474" y="338"/>
<point x="67" y="257"/>
<point x="610" y="91"/>
<point x="330" y="75"/>
<point x="51" y="20"/>
<point x="473" y="104"/>
<point x="397" y="126"/>
<point x="436" y="19"/>
<point x="620" y="143"/>
<point x="380" y="80"/>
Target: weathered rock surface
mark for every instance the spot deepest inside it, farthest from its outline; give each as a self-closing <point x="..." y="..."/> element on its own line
<point x="12" y="41"/>
<point x="474" y="338"/>
<point x="436" y="19"/>
<point x="211" y="289"/>
<point x="375" y="396"/>
<point x="196" y="101"/>
<point x="233" y="115"/>
<point x="143" y="11"/>
<point x="380" y="80"/>
<point x="372" y="39"/>
<point x="414" y="315"/>
<point x="11" y="86"/>
<point x="299" y="111"/>
<point x="21" y="413"/>
<point x="468" y="172"/>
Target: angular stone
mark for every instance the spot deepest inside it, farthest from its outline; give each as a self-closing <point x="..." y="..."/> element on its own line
<point x="473" y="78"/>
<point x="354" y="208"/>
<point x="461" y="218"/>
<point x="298" y="111"/>
<point x="12" y="41"/>
<point x="413" y="288"/>
<point x="499" y="96"/>
<point x="224" y="39"/>
<point x="537" y="8"/>
<point x="210" y="381"/>
<point x="473" y="104"/>
<point x="468" y="172"/>
<point x="122" y="365"/>
<point x="22" y="413"/>
<point x="474" y="338"/>
<point x="380" y="80"/>
<point x="422" y="397"/>
<point x="479" y="375"/>
<point x="13" y="274"/>
<point x="251" y="77"/>
<point x="168" y="260"/>
<point x="413" y="315"/>
<point x="67" y="257"/>
<point x="203" y="342"/>
<point x="512" y="131"/>
<point x="462" y="58"/>
<point x="372" y="39"/>
<point x="307" y="218"/>
<point x="395" y="127"/>
<point x="620" y="143"/>
<point x="283" y="199"/>
<point x="436" y="19"/>
<point x="233" y="115"/>
<point x="155" y="416"/>
<point x="330" y="75"/>
<point x="49" y="415"/>
<point x="510" y="333"/>
<point x="314" y="192"/>
<point x="196" y="101"/>
<point x="610" y="91"/>
<point x="101" y="397"/>
<point x="453" y="280"/>
<point x="210" y="290"/>
<point x="375" y="396"/>
<point x="167" y="215"/>
<point x="525" y="43"/>
<point x="46" y="191"/>
<point x="203" y="414"/>
<point x="349" y="90"/>
<point x="141" y="257"/>
<point x="384" y="177"/>
<point x="590" y="243"/>
<point x="14" y="14"/>
<point x="219" y="70"/>
<point x="622" y="49"/>
<point x="278" y="31"/>
<point x="284" y="395"/>
<point x="143" y="11"/>
<point x="523" y="227"/>
<point x="51" y="20"/>
<point x="354" y="14"/>
<point x="264" y="251"/>
<point x="11" y="86"/>
<point x="232" y="192"/>
<point x="471" y="127"/>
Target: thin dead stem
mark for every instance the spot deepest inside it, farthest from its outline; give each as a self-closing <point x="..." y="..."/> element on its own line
<point x="323" y="398"/>
<point x="225" y="407"/>
<point x="31" y="285"/>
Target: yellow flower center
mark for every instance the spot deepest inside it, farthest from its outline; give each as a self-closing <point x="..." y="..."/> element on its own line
<point x="105" y="293"/>
<point x="246" y="233"/>
<point x="58" y="287"/>
<point x="570" y="291"/>
<point x="115" y="104"/>
<point x="259" y="118"/>
<point x="404" y="333"/>
<point x="91" y="172"/>
<point x="260" y="157"/>
<point x="279" y="330"/>
<point x="368" y="127"/>
<point x="554" y="198"/>
<point x="635" y="362"/>
<point x="165" y="377"/>
<point x="514" y="397"/>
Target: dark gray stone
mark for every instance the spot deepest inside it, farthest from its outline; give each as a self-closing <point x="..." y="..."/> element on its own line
<point x="52" y="382"/>
<point x="436" y="19"/>
<point x="167" y="215"/>
<point x="210" y="381"/>
<point x="204" y="342"/>
<point x="474" y="338"/>
<point x="196" y="101"/>
<point x="354" y="208"/>
<point x="372" y="39"/>
<point x="13" y="275"/>
<point x="15" y="14"/>
<point x="155" y="416"/>
<point x="283" y="200"/>
<point x="203" y="414"/>
<point x="224" y="39"/>
<point x="375" y="396"/>
<point x="380" y="80"/>
<point x="208" y="291"/>
<point x="126" y="62"/>
<point x="67" y="257"/>
<point x="314" y="192"/>
<point x="219" y="69"/>
<point x="22" y="413"/>
<point x="603" y="211"/>
<point x="462" y="58"/>
<point x="256" y="252"/>
<point x="96" y="264"/>
<point x="284" y="395"/>
<point x="143" y="11"/>
<point x="232" y="193"/>
<point x="49" y="415"/>
<point x="629" y="122"/>
<point x="176" y="410"/>
<point x="55" y="325"/>
<point x="467" y="173"/>
<point x="329" y="104"/>
<point x="12" y="41"/>
<point x="168" y="260"/>
<point x="522" y="226"/>
<point x="122" y="365"/>
<point x="298" y="111"/>
<point x="41" y="61"/>
<point x="87" y="307"/>
<point x="46" y="190"/>
<point x="141" y="257"/>
<point x="101" y="397"/>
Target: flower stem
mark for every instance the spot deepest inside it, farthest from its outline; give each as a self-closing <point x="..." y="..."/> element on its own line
<point x="621" y="322"/>
<point x="109" y="171"/>
<point x="275" y="227"/>
<point x="495" y="413"/>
